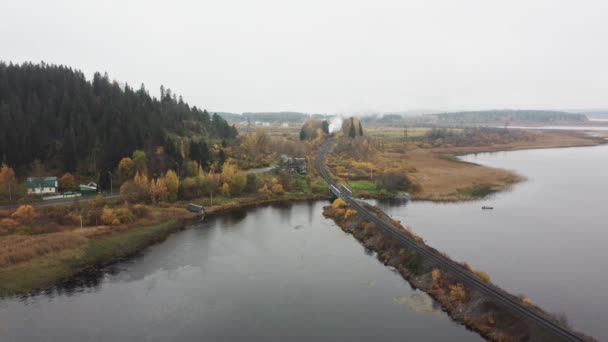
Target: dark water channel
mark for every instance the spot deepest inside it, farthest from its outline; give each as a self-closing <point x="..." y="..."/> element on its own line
<point x="282" y="273"/>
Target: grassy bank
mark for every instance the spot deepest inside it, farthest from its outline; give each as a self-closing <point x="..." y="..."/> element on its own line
<point x="43" y="272"/>
<point x="30" y="262"/>
<point x="221" y="205"/>
<point x="441" y="176"/>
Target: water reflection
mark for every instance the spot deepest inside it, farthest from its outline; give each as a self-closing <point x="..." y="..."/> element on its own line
<point x="234" y="217"/>
<point x="546" y="238"/>
<point x="250" y="277"/>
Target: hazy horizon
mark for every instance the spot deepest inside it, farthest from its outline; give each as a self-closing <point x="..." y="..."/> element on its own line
<point x="329" y="57"/>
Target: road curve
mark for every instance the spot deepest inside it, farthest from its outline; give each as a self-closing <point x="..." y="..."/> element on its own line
<point x="455" y="269"/>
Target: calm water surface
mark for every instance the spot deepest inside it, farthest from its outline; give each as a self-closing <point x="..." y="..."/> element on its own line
<point x="267" y="274"/>
<point x="547" y="238"/>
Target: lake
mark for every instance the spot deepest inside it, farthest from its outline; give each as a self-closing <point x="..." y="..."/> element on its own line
<point x="279" y="273"/>
<point x="546" y="238"/>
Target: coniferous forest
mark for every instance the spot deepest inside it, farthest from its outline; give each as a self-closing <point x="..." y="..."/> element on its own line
<point x="53" y="115"/>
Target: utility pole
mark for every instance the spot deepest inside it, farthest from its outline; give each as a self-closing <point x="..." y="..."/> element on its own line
<point x="111" y="190"/>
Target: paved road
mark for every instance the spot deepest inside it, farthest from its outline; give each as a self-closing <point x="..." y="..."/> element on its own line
<point x="456" y="270"/>
<point x="59" y="201"/>
<point x="260" y="170"/>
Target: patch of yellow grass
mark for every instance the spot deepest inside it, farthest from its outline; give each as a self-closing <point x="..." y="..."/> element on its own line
<point x="19" y="248"/>
<point x="339" y="203"/>
<point x="483" y="276"/>
<point x="349" y="213"/>
<point x="436" y="274"/>
<point x="458" y="292"/>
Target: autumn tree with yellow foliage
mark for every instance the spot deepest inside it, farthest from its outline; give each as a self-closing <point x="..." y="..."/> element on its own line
<point x="172" y="184"/>
<point x="7" y="181"/>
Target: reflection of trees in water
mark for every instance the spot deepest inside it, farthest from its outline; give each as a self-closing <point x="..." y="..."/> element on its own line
<point x="311" y="210"/>
<point x="88" y="280"/>
<point x="392" y="202"/>
<point x="233" y="217"/>
<point x="284" y="210"/>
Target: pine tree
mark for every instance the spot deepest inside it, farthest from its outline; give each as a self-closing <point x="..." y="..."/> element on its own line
<point x="325" y="127"/>
<point x="54" y="114"/>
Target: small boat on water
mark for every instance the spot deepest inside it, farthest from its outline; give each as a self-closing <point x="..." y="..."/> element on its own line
<point x="487" y="208"/>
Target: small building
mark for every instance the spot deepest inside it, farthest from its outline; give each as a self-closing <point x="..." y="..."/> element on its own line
<point x="88" y="189"/>
<point x="292" y="165"/>
<point x="41" y="185"/>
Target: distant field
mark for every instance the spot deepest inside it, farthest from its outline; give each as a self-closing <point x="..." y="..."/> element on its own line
<point x="273" y="131"/>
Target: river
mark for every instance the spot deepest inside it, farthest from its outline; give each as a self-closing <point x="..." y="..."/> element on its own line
<point x="547" y="238"/>
<point x="278" y="273"/>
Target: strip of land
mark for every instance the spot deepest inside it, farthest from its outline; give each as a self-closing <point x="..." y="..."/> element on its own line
<point x="467" y="295"/>
<point x="435" y="171"/>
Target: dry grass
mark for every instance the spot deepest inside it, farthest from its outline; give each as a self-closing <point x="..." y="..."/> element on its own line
<point x="19" y="248"/>
<point x="441" y="177"/>
<point x="45" y="235"/>
<point x="4" y="213"/>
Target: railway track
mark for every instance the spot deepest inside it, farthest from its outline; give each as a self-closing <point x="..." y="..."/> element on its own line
<point x="455" y="269"/>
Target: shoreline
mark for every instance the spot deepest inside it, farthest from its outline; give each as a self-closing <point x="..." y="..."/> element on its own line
<point x="464" y="304"/>
<point x="66" y="264"/>
<point x="467" y="178"/>
<point x="45" y="272"/>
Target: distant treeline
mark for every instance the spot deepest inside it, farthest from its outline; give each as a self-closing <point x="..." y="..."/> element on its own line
<point x="507" y="116"/>
<point x="51" y="113"/>
<point x="275" y="117"/>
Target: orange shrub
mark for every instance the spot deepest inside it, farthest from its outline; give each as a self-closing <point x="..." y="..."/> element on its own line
<point x="457" y="292"/>
<point x="25" y="214"/>
<point x="339" y="203"/>
<point x="436" y="274"/>
<point x="72" y="218"/>
<point x="109" y="217"/>
<point x="277" y="189"/>
<point x="264" y="191"/>
<point x="349" y="213"/>
<point x="124" y="215"/>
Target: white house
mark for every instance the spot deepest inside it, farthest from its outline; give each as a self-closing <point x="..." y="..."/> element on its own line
<point x="41" y="185"/>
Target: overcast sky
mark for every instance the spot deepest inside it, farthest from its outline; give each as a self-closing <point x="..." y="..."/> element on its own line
<point x="328" y="56"/>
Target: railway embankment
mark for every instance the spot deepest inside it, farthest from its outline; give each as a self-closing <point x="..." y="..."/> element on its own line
<point x="495" y="316"/>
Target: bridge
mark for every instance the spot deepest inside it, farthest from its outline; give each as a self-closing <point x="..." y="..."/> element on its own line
<point x="455" y="269"/>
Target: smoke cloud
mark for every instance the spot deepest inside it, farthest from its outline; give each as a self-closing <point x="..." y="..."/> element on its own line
<point x="335" y="124"/>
